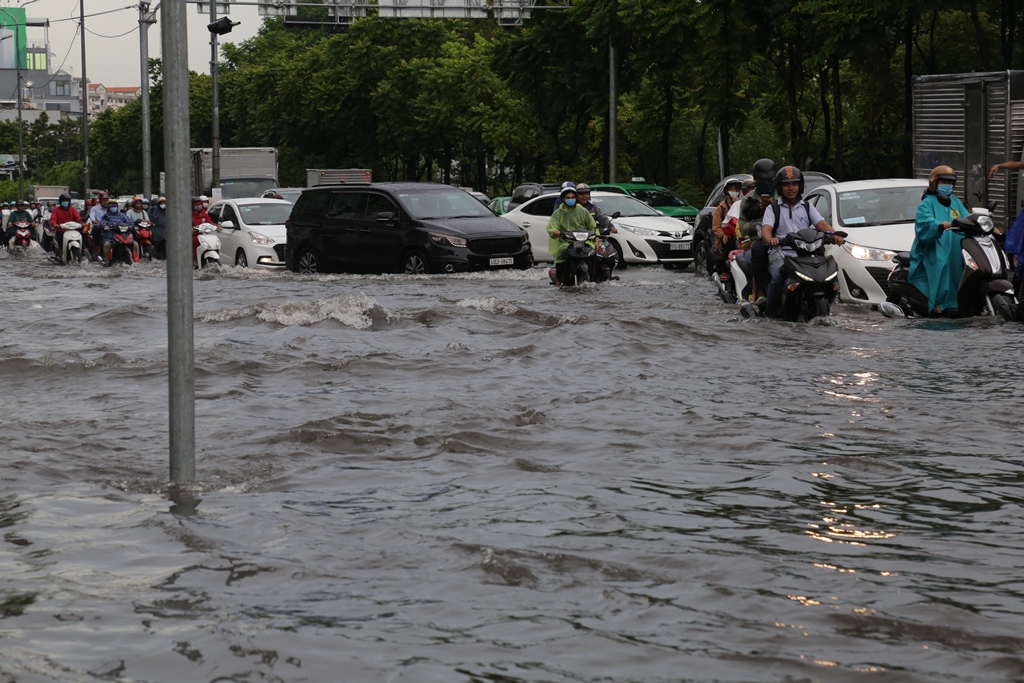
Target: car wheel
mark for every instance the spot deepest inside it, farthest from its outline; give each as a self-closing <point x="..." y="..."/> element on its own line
<point x="621" y="264"/>
<point x="240" y="259"/>
<point x="307" y="262"/>
<point x="415" y="263"/>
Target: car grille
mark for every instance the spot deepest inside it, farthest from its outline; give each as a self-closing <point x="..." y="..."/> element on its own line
<point x="279" y="250"/>
<point x="881" y="276"/>
<point x="663" y="251"/>
<point x="496" y="245"/>
<point x="689" y="219"/>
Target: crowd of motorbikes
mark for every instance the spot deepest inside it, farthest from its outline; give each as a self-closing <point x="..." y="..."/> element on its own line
<point x="73" y="242"/>
<point x="811" y="277"/>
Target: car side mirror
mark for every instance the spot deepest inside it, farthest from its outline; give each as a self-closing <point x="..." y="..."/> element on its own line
<point x="227" y="224"/>
<point x="385" y="216"/>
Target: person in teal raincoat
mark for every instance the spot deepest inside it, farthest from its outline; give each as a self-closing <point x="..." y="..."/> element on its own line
<point x="568" y="217"/>
<point x="936" y="264"/>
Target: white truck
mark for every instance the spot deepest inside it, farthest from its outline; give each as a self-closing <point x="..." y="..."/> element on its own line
<point x="244" y="171"/>
<point x="46" y="193"/>
<point x="335" y="176"/>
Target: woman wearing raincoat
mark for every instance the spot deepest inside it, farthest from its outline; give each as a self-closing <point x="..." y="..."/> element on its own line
<point x="936" y="265"/>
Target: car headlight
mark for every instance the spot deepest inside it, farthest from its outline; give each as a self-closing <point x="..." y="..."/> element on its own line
<point x="447" y="240"/>
<point x="260" y="239"/>
<point x="526" y="237"/>
<point x="642" y="232"/>
<point x="867" y="253"/>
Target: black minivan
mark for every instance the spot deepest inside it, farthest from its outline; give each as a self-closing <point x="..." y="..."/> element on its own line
<point x="399" y="227"/>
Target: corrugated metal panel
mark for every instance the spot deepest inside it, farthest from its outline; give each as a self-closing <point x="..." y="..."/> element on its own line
<point x="996" y="129"/>
<point x="1017" y="149"/>
<point x="939" y="126"/>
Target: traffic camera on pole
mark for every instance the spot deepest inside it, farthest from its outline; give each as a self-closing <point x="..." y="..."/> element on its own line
<point x="222" y="26"/>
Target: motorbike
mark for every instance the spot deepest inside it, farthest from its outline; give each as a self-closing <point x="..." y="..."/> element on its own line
<point x="121" y="251"/>
<point x="578" y="257"/>
<point x="606" y="259"/>
<point x="71" y="242"/>
<point x="208" y="247"/>
<point x="812" y="277"/>
<point x="23" y="236"/>
<point x="985" y="287"/>
<point x="734" y="282"/>
<point x="144" y="238"/>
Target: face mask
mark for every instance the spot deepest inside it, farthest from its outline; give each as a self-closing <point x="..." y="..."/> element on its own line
<point x="162" y="205"/>
<point x="112" y="209"/>
<point x="67" y="204"/>
<point x="570" y="203"/>
<point x="945" y="189"/>
<point x="734" y="194"/>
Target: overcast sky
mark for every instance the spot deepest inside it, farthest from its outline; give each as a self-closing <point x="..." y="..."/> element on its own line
<point x="112" y="36"/>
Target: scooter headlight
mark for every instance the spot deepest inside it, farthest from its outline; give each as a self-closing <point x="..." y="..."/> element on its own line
<point x="581" y="236"/>
<point x="867" y="253"/>
<point x="986" y="224"/>
<point x="803" y="277"/>
<point x="807" y="246"/>
<point x="832" y="276"/>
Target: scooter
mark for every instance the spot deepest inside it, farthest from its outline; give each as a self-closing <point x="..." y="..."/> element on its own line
<point x="734" y="284"/>
<point x="23" y="237"/>
<point x="985" y="287"/>
<point x="71" y="242"/>
<point x="208" y="247"/>
<point x="121" y="251"/>
<point x="812" y="277"/>
<point x="144" y="238"/>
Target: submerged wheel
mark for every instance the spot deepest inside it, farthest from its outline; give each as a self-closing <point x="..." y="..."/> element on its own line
<point x="307" y="262"/>
<point x="1005" y="306"/>
<point x="209" y="261"/>
<point x="415" y="263"/>
<point x="76" y="255"/>
<point x="821" y="307"/>
<point x="240" y="259"/>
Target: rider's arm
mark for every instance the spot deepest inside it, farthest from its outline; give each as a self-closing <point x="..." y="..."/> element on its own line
<point x="767" y="226"/>
<point x="1006" y="166"/>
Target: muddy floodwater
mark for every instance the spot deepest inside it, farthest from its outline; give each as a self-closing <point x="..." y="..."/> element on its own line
<point x="478" y="478"/>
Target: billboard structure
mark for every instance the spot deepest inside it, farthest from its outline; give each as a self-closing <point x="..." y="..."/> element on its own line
<point x="433" y="9"/>
<point x="12" y="38"/>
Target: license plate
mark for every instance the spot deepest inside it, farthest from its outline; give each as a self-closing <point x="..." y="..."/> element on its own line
<point x="679" y="246"/>
<point x="502" y="261"/>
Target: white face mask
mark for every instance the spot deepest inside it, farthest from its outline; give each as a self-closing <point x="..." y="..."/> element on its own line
<point x="734" y="194"/>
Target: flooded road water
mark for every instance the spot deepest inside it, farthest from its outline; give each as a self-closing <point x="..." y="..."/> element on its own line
<point x="479" y="478"/>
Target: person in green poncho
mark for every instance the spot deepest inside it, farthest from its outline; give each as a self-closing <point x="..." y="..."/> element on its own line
<point x="936" y="265"/>
<point x="569" y="216"/>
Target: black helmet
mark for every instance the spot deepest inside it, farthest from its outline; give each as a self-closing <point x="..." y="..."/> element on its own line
<point x="788" y="174"/>
<point x="64" y="197"/>
<point x="764" y="169"/>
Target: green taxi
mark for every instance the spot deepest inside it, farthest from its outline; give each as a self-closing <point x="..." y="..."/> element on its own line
<point x="656" y="196"/>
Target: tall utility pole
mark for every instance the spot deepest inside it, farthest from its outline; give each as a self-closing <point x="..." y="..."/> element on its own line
<point x="216" y="106"/>
<point x="181" y="379"/>
<point x="85" y="103"/>
<point x="145" y="19"/>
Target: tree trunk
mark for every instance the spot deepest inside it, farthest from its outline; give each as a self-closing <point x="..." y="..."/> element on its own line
<point x="664" y="170"/>
<point x="908" y="95"/>
<point x="980" y="37"/>
<point x="701" y="171"/>
<point x="837" y="103"/>
<point x="826" y="116"/>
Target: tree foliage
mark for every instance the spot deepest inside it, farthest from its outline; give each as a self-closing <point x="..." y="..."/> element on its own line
<point x="824" y="84"/>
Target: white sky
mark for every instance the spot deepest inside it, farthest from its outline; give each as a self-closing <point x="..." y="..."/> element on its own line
<point x="112" y="39"/>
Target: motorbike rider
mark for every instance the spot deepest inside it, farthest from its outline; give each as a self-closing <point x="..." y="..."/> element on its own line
<point x="600" y="217"/>
<point x="724" y="243"/>
<point x="763" y="173"/>
<point x="567" y="217"/>
<point x="62" y="213"/>
<point x="137" y="212"/>
<point x="20" y="213"/>
<point x="199" y="216"/>
<point x="158" y="214"/>
<point x="1014" y="245"/>
<point x="96" y="212"/>
<point x="936" y="264"/>
<point x="113" y="218"/>
<point x="790" y="213"/>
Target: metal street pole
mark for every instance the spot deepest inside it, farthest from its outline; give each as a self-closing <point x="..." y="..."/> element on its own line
<point x="216" y="107"/>
<point x="21" y="141"/>
<point x="145" y="19"/>
<point x="85" y="102"/>
<point x="180" y="340"/>
<point x="613" y="115"/>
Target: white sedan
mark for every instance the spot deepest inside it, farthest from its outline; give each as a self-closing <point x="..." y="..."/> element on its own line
<point x="644" y="235"/>
<point x="879" y="217"/>
<point x="252" y="230"/>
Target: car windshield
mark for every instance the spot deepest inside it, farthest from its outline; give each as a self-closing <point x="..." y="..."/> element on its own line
<point x="880" y="206"/>
<point x="625" y="206"/>
<point x="454" y="203"/>
<point x="659" y="197"/>
<point x="264" y="214"/>
<point x="245" y="187"/>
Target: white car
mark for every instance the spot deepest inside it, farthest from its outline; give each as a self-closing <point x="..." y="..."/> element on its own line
<point x="878" y="216"/>
<point x="252" y="230"/>
<point x="644" y="235"/>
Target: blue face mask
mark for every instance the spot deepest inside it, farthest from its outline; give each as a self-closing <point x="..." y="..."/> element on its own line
<point x="570" y="203"/>
<point x="945" y="189"/>
<point x="65" y="204"/>
<point x="112" y="209"/>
